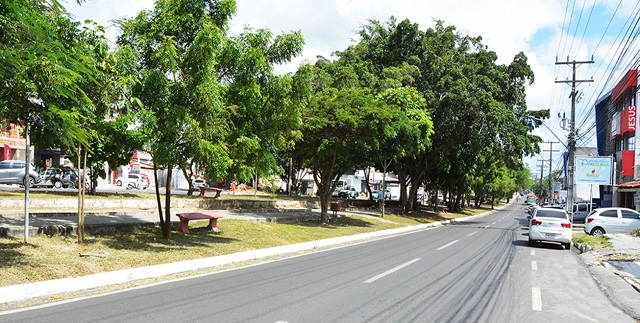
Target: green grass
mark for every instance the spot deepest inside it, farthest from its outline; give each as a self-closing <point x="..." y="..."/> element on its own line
<point x="592" y="241"/>
<point x="55" y="257"/>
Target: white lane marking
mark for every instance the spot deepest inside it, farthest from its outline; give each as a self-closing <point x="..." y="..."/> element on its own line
<point x="533" y="252"/>
<point x="390" y="271"/>
<point x="534" y="265"/>
<point x="448" y="244"/>
<point x="486" y="226"/>
<point x="494" y="222"/>
<point x="536" y="299"/>
<point x="472" y="233"/>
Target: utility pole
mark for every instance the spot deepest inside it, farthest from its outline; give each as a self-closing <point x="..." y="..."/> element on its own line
<point x="572" y="129"/>
<point x="541" y="177"/>
<point x="551" y="151"/>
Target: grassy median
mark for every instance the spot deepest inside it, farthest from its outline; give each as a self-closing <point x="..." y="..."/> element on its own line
<point x="45" y="258"/>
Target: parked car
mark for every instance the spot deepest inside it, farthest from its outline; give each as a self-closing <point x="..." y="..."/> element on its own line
<point x="137" y="181"/>
<point x="350" y="193"/>
<point x="13" y="172"/>
<point x="550" y="225"/>
<point x="581" y="210"/>
<point x="49" y="177"/>
<point x="199" y="182"/>
<point x="611" y="220"/>
<point x="376" y="193"/>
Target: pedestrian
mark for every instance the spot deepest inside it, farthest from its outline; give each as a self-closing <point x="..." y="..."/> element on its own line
<point x="233" y="187"/>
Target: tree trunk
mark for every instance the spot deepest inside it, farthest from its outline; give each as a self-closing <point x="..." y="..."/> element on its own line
<point x="159" y="202"/>
<point x="80" y="195"/>
<point x="166" y="229"/>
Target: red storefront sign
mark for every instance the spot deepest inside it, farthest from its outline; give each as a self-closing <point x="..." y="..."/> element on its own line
<point x="628" y="160"/>
<point x="628" y="119"/>
<point x="6" y="152"/>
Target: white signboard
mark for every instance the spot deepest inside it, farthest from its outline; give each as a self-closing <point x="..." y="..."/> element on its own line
<point x="593" y="170"/>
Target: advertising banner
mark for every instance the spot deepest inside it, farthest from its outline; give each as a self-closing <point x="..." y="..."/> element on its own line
<point x="593" y="170"/>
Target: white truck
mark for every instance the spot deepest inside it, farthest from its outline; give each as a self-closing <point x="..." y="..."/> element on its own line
<point x="348" y="186"/>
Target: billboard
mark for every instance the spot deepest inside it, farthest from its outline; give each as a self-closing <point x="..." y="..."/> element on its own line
<point x="593" y="170"/>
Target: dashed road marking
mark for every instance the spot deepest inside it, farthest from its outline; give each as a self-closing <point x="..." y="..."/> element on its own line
<point x="533" y="252"/>
<point x="534" y="265"/>
<point x="448" y="244"/>
<point x="536" y="299"/>
<point x="472" y="233"/>
<point x="390" y="271"/>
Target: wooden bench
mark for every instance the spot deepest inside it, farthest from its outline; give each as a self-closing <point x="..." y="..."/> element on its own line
<point x="185" y="217"/>
<point x="203" y="189"/>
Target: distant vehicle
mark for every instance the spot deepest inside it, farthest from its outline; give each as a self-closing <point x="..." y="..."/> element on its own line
<point x="350" y="193"/>
<point x="611" y="220"/>
<point x="581" y="210"/>
<point x="137" y="181"/>
<point x="376" y="193"/>
<point x="531" y="199"/>
<point x="199" y="182"/>
<point x="49" y="177"/>
<point x="550" y="225"/>
<point x="13" y="172"/>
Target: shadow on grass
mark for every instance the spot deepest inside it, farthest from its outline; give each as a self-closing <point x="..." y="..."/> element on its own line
<point x="10" y="254"/>
<point x="340" y="222"/>
<point x="424" y="216"/>
<point x="151" y="239"/>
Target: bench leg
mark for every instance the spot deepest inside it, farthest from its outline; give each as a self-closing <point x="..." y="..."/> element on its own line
<point x="201" y="192"/>
<point x="183" y="226"/>
<point x="217" y="194"/>
<point x="213" y="225"/>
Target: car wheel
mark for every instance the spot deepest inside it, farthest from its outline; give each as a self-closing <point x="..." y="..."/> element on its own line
<point x="567" y="246"/>
<point x="72" y="186"/>
<point x="597" y="231"/>
<point x="29" y="181"/>
<point x="57" y="184"/>
<point x="118" y="183"/>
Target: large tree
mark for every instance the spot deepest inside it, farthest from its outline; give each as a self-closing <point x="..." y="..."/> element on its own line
<point x="177" y="44"/>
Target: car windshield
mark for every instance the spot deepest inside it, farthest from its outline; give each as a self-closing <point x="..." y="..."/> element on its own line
<point x="551" y="214"/>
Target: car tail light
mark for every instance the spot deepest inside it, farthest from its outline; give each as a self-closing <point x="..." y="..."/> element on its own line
<point x="536" y="222"/>
<point x="566" y="225"/>
<point x="589" y="220"/>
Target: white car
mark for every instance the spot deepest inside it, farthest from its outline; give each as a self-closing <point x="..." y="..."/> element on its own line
<point x="550" y="225"/>
<point x="199" y="182"/>
<point x="611" y="220"/>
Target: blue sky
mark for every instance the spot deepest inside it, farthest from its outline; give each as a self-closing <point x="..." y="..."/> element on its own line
<point x="542" y="29"/>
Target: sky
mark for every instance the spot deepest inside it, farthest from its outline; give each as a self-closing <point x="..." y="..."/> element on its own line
<point x="547" y="31"/>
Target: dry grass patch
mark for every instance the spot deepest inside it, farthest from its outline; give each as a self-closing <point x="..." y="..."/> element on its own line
<point x="47" y="258"/>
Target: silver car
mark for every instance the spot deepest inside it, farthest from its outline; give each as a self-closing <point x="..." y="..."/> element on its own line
<point x="13" y="172"/>
<point x="611" y="220"/>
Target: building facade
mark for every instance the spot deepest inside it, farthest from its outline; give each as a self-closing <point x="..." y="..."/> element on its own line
<point x="616" y="122"/>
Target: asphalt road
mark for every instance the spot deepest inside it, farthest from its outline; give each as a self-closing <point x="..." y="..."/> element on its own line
<point x="475" y="271"/>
